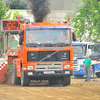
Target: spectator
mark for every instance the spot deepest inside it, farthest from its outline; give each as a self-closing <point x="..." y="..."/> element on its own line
<point x="87" y="67"/>
<point x="13" y="42"/>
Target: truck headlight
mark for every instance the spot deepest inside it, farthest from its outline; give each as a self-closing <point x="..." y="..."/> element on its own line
<point x="81" y="68"/>
<point x="30" y="67"/>
<point x="67" y="66"/>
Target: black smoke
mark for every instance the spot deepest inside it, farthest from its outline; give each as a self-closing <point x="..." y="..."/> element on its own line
<point x="40" y="9"/>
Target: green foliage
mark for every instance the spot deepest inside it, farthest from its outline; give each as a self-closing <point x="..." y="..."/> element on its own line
<point x="17" y="14"/>
<point x="4" y="14"/>
<point x="9" y="69"/>
<point x="90" y="11"/>
<point x="16" y="4"/>
<point x="4" y="10"/>
<point x="96" y="48"/>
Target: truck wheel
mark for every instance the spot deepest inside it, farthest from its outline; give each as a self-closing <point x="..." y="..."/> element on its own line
<point x="25" y="81"/>
<point x="66" y="80"/>
<point x="15" y="80"/>
<point x="98" y="74"/>
<point x="78" y="76"/>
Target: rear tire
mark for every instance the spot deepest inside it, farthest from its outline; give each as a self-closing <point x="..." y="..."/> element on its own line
<point x="66" y="80"/>
<point x="15" y="80"/>
<point x="25" y="81"/>
<point x="98" y="74"/>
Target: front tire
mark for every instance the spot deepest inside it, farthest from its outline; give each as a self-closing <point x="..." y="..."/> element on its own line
<point x="66" y="80"/>
<point x="15" y="80"/>
<point x="98" y="75"/>
<point x="25" y="81"/>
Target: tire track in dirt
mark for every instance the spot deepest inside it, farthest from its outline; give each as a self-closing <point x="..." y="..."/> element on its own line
<point x="77" y="90"/>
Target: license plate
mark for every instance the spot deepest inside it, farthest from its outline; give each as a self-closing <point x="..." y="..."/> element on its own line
<point x="48" y="72"/>
<point x="67" y="72"/>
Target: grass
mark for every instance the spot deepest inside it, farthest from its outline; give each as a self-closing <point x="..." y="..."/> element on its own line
<point x="9" y="69"/>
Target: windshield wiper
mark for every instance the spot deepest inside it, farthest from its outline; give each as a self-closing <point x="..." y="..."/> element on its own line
<point x="58" y="44"/>
<point x="32" y="44"/>
<point x="61" y="44"/>
<point x="47" y="44"/>
<point x="39" y="45"/>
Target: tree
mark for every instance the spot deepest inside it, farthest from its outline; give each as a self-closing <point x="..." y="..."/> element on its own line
<point x="90" y="11"/>
<point x="4" y="10"/>
<point x="4" y="14"/>
<point x="17" y="14"/>
<point x="16" y="4"/>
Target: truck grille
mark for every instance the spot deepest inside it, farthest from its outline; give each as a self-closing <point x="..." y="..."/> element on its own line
<point x="48" y="56"/>
<point x="48" y="66"/>
<point x="76" y="67"/>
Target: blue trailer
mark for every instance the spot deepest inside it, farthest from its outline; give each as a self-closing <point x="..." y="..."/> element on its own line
<point x="80" y="49"/>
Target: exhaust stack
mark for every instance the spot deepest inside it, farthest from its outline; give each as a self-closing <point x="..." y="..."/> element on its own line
<point x="40" y="9"/>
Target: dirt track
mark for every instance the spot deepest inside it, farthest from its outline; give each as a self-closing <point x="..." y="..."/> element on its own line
<point x="77" y="90"/>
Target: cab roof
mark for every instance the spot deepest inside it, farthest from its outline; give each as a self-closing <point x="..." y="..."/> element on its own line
<point x="82" y="43"/>
<point x="47" y="25"/>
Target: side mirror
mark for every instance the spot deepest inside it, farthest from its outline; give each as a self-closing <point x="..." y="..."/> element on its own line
<point x="20" y="40"/>
<point x="74" y="36"/>
<point x="20" y="33"/>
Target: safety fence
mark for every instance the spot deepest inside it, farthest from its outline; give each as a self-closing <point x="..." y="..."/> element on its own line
<point x="3" y="72"/>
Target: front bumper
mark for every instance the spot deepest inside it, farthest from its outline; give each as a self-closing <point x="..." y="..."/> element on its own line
<point x="43" y="74"/>
<point x="80" y="72"/>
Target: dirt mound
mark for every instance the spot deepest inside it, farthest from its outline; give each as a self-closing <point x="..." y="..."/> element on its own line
<point x="8" y="79"/>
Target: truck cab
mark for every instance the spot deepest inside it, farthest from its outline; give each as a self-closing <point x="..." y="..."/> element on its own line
<point x="80" y="49"/>
<point x="45" y="52"/>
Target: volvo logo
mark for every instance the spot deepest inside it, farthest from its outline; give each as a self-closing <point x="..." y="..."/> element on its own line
<point x="48" y="56"/>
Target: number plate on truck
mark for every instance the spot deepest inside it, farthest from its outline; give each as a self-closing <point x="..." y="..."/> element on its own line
<point x="67" y="72"/>
<point x="48" y="72"/>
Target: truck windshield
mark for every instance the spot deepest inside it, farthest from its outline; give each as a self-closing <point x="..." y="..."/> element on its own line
<point x="95" y="49"/>
<point x="48" y="38"/>
<point x="79" y="51"/>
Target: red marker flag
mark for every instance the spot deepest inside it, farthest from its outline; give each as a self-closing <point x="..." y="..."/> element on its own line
<point x="18" y="17"/>
<point x="68" y="18"/>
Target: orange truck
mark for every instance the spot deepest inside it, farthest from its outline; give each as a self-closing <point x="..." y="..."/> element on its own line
<point x="45" y="52"/>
